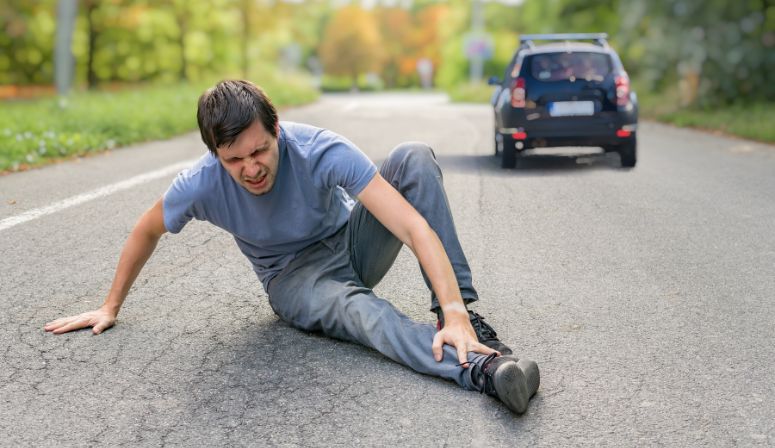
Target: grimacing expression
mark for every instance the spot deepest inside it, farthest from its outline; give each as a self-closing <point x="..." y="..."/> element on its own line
<point x="252" y="159"/>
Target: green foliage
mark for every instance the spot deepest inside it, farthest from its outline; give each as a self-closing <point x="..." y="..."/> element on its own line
<point x="715" y="51"/>
<point x="345" y="84"/>
<point x="38" y="132"/>
<point x="351" y="44"/>
<point x="701" y="53"/>
<point x="26" y="41"/>
<point x="140" y="40"/>
<point x="454" y="66"/>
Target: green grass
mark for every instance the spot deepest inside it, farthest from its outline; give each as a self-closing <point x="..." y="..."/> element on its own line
<point x="470" y="93"/>
<point x="753" y="121"/>
<point x="37" y="132"/>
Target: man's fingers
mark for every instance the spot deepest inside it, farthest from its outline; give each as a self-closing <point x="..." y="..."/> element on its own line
<point x="437" y="350"/>
<point x="462" y="355"/>
<point x="483" y="349"/>
<point x="76" y="324"/>
<point x="101" y="326"/>
<point x="58" y="322"/>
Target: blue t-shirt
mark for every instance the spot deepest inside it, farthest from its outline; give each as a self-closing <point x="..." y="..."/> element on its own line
<point x="318" y="173"/>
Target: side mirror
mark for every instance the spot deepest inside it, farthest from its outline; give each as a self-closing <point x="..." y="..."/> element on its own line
<point x="494" y="81"/>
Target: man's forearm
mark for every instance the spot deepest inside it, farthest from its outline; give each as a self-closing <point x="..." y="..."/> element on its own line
<point x="434" y="261"/>
<point x="137" y="250"/>
<point x="403" y="221"/>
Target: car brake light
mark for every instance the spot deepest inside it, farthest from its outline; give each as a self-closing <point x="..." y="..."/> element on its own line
<point x="518" y="93"/>
<point x="622" y="90"/>
<point x="623" y="133"/>
<point x="519" y="135"/>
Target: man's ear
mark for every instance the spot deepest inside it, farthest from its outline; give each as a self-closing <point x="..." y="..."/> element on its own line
<point x="277" y="129"/>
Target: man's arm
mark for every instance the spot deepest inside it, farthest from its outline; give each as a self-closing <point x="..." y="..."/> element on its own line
<point x="398" y="216"/>
<point x="137" y="249"/>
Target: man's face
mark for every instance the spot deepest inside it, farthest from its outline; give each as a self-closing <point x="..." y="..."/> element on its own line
<point x="252" y="159"/>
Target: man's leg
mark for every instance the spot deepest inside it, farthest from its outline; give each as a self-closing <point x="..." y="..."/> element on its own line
<point x="319" y="291"/>
<point x="412" y="169"/>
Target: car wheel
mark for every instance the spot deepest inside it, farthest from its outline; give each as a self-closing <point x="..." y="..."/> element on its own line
<point x="509" y="152"/>
<point x="628" y="153"/>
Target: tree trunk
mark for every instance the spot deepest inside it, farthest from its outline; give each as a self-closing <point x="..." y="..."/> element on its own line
<point x="245" y="12"/>
<point x="182" y="17"/>
<point x="91" y="76"/>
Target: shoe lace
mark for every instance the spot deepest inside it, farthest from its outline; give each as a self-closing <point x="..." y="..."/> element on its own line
<point x="482" y="328"/>
<point x="485" y="371"/>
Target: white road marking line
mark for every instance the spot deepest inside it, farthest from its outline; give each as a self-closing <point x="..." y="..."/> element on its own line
<point x="72" y="201"/>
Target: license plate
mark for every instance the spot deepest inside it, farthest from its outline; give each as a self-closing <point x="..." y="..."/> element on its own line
<point x="570" y="108"/>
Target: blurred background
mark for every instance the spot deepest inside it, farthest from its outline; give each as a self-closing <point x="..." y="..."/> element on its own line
<point x="83" y="75"/>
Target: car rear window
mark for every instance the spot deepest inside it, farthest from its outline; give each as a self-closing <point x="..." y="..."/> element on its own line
<point x="570" y="66"/>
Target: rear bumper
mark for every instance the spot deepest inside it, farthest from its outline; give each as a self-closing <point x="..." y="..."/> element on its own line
<point x="598" y="130"/>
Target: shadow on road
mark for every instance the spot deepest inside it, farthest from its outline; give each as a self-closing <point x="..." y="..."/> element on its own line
<point x="531" y="165"/>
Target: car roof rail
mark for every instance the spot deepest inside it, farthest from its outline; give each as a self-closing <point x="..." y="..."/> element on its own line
<point x="527" y="40"/>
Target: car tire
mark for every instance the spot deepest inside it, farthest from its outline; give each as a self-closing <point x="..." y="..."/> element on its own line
<point x="628" y="153"/>
<point x="497" y="144"/>
<point x="508" y="152"/>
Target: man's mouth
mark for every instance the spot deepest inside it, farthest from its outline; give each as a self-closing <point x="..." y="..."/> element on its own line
<point x="256" y="182"/>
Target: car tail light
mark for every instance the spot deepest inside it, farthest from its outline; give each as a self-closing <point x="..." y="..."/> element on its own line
<point x="623" y="133"/>
<point x="622" y="90"/>
<point x="519" y="135"/>
<point x="518" y="93"/>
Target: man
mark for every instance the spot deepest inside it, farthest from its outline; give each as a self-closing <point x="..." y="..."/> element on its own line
<point x="284" y="192"/>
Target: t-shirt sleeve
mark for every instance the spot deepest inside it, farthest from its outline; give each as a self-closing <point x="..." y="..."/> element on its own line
<point x="179" y="203"/>
<point x="335" y="161"/>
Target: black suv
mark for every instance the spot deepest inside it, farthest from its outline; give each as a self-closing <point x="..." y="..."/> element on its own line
<point x="564" y="93"/>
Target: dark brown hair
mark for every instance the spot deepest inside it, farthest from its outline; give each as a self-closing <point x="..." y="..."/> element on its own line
<point x="231" y="107"/>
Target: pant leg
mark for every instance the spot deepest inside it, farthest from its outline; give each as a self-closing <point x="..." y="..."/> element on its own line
<point x="319" y="291"/>
<point x="412" y="169"/>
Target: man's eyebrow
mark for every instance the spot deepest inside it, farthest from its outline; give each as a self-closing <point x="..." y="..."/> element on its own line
<point x="260" y="147"/>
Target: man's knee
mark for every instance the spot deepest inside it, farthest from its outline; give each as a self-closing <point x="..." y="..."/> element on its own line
<point x="412" y="151"/>
<point x="411" y="156"/>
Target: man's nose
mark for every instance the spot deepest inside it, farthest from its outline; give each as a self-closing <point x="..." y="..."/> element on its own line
<point x="251" y="166"/>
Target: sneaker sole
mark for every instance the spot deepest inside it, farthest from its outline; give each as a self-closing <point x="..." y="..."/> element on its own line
<point x="532" y="375"/>
<point x="511" y="387"/>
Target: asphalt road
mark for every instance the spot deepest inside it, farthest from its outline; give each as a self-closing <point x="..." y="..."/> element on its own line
<point x="645" y="295"/>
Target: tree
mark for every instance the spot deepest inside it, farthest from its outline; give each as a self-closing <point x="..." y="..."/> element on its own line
<point x="182" y="11"/>
<point x="395" y="26"/>
<point x="351" y="44"/>
<point x="713" y="51"/>
<point x="92" y="33"/>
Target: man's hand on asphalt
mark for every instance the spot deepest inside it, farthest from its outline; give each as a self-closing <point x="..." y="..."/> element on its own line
<point x="99" y="319"/>
<point x="458" y="333"/>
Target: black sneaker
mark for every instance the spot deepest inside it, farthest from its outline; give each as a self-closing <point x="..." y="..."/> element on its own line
<point x="484" y="332"/>
<point x="509" y="380"/>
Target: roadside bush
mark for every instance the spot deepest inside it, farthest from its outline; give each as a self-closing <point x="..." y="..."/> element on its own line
<point x="752" y="121"/>
<point x="470" y="93"/>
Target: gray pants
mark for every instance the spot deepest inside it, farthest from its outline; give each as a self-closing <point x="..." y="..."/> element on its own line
<point x="327" y="287"/>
